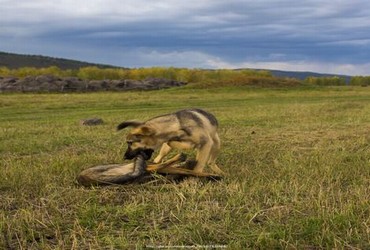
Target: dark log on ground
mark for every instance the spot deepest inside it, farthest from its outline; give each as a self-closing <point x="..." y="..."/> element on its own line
<point x="139" y="172"/>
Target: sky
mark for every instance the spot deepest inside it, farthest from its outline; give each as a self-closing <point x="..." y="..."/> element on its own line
<point x="325" y="36"/>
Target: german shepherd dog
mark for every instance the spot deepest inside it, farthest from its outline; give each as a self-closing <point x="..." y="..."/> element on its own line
<point x="184" y="129"/>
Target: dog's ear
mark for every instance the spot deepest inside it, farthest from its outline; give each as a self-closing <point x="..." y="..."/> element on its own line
<point x="129" y="124"/>
<point x="145" y="130"/>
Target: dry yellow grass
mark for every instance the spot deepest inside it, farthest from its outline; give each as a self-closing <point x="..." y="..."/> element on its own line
<point x="297" y="161"/>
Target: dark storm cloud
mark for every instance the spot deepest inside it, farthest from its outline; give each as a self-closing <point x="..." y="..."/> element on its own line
<point x="329" y="36"/>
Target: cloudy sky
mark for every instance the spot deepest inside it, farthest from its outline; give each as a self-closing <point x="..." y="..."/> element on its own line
<point x="327" y="36"/>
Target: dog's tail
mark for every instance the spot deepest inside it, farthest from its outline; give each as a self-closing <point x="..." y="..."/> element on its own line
<point x="128" y="124"/>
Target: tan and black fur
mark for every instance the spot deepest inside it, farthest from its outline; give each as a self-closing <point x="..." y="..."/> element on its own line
<point x="184" y="129"/>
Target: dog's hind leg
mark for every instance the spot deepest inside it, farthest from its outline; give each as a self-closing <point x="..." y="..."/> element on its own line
<point x="203" y="157"/>
<point x="216" y="169"/>
<point x="213" y="155"/>
<point x="165" y="149"/>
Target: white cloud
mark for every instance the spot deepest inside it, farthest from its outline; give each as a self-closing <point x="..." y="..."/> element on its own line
<point x="197" y="59"/>
<point x="144" y="57"/>
<point x="354" y="42"/>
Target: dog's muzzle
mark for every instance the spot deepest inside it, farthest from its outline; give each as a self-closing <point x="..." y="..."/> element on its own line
<point x="131" y="154"/>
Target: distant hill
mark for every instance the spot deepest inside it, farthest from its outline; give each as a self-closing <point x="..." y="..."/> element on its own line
<point x="14" y="61"/>
<point x="304" y="74"/>
<point x="301" y="75"/>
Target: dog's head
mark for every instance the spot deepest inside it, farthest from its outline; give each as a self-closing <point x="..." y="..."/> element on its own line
<point x="140" y="140"/>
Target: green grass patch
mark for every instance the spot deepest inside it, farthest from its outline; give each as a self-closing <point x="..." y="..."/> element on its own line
<point x="297" y="161"/>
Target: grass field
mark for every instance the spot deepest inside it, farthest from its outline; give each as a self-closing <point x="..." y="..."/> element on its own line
<point x="298" y="165"/>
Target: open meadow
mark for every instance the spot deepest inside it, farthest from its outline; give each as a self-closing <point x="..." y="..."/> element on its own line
<point x="297" y="163"/>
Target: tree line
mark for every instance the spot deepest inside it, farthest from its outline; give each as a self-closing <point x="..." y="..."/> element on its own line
<point x="338" y="81"/>
<point x="96" y="73"/>
<point x="220" y="76"/>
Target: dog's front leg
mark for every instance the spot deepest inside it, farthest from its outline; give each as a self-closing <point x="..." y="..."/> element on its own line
<point x="165" y="149"/>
